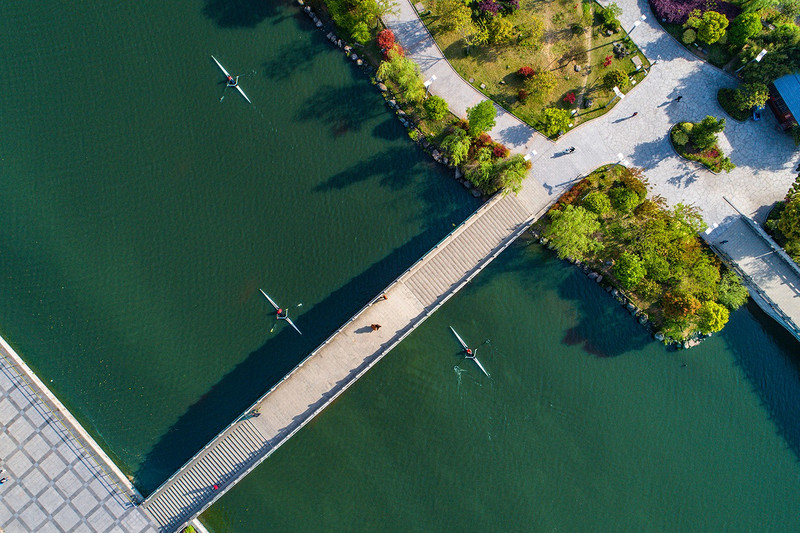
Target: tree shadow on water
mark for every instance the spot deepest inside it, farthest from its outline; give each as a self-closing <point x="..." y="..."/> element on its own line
<point x="264" y="367"/>
<point x="770" y="358"/>
<point x="240" y="13"/>
<point x="340" y="107"/>
<point x="604" y="328"/>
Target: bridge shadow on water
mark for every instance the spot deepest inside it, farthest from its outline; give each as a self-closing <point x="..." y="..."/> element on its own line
<point x="770" y="358"/>
<point x="264" y="367"/>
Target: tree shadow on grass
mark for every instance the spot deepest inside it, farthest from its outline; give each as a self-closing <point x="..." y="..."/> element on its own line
<point x="240" y="13"/>
<point x="770" y="358"/>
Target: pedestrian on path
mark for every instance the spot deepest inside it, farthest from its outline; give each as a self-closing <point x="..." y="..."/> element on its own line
<point x="2" y="480"/>
<point x="375" y="327"/>
<point x="678" y="99"/>
<point x="216" y="487"/>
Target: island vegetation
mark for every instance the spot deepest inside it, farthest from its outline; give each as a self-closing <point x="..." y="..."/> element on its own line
<point x="697" y="141"/>
<point x="651" y="252"/>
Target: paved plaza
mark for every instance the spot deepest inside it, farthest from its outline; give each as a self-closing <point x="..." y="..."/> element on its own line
<point x="764" y="156"/>
<point x="53" y="482"/>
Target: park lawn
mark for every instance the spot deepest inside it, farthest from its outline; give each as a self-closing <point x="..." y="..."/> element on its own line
<point x="495" y="66"/>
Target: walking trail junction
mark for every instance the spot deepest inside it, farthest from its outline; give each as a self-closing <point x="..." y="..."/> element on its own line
<point x="60" y="480"/>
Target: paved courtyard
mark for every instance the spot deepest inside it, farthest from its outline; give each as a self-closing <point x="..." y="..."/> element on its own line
<point x="53" y="484"/>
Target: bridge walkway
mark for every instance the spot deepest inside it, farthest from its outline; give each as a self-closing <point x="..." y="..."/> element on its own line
<point x="345" y="356"/>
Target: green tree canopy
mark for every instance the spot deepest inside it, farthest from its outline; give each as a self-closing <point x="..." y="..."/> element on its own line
<point x="710" y="25"/>
<point x="751" y="95"/>
<point x="511" y="173"/>
<point x="623" y="199"/>
<point x="436" y="107"/>
<point x="501" y="30"/>
<point x="571" y="232"/>
<point x="745" y="26"/>
<point x="712" y="317"/>
<point x="555" y="120"/>
<point x="405" y="73"/>
<point x="789" y="221"/>
<point x="597" y="202"/>
<point x="481" y="117"/>
<point x="541" y="83"/>
<point x="704" y="133"/>
<point x="457" y="145"/>
<point x="615" y="78"/>
<point x="731" y="292"/>
<point x="629" y="270"/>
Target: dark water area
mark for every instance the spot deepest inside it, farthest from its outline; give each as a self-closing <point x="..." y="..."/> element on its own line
<point x="585" y="424"/>
<point x="142" y="214"/>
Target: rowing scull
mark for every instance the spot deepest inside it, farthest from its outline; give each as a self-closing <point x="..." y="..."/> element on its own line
<point x="281" y="313"/>
<point x="468" y="351"/>
<point x="230" y="80"/>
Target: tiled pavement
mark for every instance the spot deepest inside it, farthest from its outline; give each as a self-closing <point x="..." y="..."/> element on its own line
<point x="52" y="483"/>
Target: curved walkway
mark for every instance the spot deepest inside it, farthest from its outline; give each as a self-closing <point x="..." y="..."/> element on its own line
<point x="765" y="157"/>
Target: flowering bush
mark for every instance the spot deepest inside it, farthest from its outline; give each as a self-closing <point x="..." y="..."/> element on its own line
<point x="607" y="61"/>
<point x="489" y="6"/>
<point x="394" y="51"/>
<point x="522" y="95"/>
<point x="484" y="139"/>
<point x="677" y="11"/>
<point x="525" y="72"/>
<point x="385" y="39"/>
<point x="500" y="151"/>
<point x="570" y="98"/>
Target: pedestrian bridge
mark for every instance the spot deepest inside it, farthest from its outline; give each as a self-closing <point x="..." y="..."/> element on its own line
<point x="344" y="357"/>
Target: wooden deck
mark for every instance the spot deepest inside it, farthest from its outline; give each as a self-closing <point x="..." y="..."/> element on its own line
<point x="344" y="357"/>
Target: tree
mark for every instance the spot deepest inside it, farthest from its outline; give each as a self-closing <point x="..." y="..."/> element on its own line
<point x="710" y="25"/>
<point x="531" y="33"/>
<point x="457" y="145"/>
<point x="361" y="33"/>
<point x="623" y="199"/>
<point x="501" y="30"/>
<point x="712" y="317"/>
<point x="789" y="221"/>
<point x="481" y="117"/>
<point x="405" y="73"/>
<point x="385" y="39"/>
<point x="615" y="78"/>
<point x="511" y="173"/>
<point x="541" y="83"/>
<point x="436" y="107"/>
<point x="555" y="120"/>
<point x="610" y="16"/>
<point x="744" y="27"/>
<point x="597" y="202"/>
<point x="571" y="231"/>
<point x="677" y="305"/>
<point x="730" y="291"/>
<point x="629" y="270"/>
<point x="704" y="133"/>
<point x="751" y="95"/>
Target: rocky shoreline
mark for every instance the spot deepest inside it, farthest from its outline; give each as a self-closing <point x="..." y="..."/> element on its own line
<point x="413" y="132"/>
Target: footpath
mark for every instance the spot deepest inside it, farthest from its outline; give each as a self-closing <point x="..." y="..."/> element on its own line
<point x="765" y="157"/>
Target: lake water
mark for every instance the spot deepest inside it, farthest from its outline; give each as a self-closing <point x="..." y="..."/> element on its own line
<point x="142" y="214"/>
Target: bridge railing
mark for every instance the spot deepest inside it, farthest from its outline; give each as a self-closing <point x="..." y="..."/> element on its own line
<point x="407" y="331"/>
<point x="480" y="209"/>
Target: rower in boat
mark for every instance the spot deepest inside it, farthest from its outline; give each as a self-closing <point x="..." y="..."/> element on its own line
<point x="232" y="82"/>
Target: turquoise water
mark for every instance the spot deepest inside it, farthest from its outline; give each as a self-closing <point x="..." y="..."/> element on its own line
<point x="142" y="214"/>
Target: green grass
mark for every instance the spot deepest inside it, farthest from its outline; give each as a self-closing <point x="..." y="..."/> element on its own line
<point x="496" y="66"/>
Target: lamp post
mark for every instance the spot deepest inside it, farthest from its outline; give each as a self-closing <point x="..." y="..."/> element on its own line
<point x="757" y="59"/>
<point x="635" y="24"/>
<point x="428" y="83"/>
<point x="617" y="94"/>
